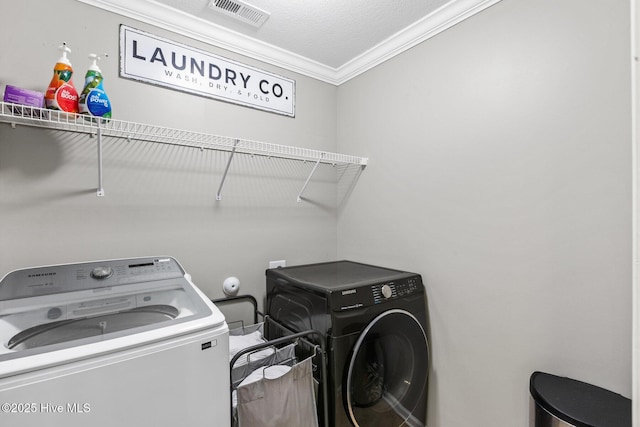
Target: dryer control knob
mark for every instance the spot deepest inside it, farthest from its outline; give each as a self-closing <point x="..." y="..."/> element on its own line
<point x="386" y="291"/>
<point x="101" y="273"/>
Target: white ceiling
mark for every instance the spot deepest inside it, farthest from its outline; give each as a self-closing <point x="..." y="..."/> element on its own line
<point x="331" y="32"/>
<point x="331" y="40"/>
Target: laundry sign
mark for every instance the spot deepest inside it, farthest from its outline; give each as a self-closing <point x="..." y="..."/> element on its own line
<point x="156" y="60"/>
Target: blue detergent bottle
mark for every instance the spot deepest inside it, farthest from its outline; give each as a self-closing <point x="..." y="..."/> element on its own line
<point x="93" y="99"/>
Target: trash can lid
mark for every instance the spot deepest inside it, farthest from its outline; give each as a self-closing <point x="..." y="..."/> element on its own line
<point x="578" y="403"/>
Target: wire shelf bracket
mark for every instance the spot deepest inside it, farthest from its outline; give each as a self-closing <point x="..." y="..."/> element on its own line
<point x="304" y="187"/>
<point x="100" y="191"/>
<point x="226" y="170"/>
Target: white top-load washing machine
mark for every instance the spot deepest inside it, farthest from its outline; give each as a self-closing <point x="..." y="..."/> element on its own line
<point x="127" y="342"/>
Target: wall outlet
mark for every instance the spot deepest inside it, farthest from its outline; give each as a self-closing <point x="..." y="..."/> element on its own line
<point x="276" y="264"/>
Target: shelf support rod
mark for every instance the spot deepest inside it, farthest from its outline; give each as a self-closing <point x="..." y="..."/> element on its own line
<point x="100" y="191"/>
<point x="309" y="178"/>
<point x="226" y="169"/>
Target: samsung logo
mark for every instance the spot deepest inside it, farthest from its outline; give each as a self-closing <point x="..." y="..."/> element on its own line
<point x="349" y="292"/>
<point x="53" y="273"/>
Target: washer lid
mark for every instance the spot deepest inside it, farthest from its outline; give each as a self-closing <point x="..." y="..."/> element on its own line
<point x="578" y="403"/>
<point x="69" y="330"/>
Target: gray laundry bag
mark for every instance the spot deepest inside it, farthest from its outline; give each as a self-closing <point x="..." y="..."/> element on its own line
<point x="286" y="401"/>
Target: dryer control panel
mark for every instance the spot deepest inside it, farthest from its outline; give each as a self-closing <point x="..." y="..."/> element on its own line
<point x="395" y="289"/>
<point x="377" y="293"/>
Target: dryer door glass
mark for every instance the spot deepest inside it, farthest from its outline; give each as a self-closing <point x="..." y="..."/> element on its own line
<point x="386" y="380"/>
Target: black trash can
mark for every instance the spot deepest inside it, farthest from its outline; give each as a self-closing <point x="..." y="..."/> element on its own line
<point x="564" y="402"/>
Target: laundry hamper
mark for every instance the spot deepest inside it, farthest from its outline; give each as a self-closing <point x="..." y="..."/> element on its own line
<point x="270" y="387"/>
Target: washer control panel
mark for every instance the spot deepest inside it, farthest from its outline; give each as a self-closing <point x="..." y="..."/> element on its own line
<point x="94" y="276"/>
<point x="395" y="289"/>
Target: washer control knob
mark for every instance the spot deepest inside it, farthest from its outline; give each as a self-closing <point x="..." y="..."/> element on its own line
<point x="386" y="291"/>
<point x="54" y="313"/>
<point x="101" y="273"/>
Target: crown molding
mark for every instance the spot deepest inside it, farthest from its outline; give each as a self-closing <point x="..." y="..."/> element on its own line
<point x="162" y="16"/>
<point x="441" y="19"/>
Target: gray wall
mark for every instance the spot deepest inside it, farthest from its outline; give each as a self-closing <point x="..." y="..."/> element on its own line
<point x="500" y="169"/>
<point x="159" y="199"/>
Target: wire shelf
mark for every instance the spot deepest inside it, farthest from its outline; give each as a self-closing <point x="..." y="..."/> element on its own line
<point x="59" y="120"/>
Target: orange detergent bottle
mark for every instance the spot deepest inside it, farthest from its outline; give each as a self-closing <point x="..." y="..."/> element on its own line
<point x="61" y="94"/>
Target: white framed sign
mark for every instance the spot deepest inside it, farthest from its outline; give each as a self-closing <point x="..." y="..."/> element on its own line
<point x="156" y="60"/>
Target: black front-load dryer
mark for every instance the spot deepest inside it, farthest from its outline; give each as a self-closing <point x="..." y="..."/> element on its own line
<point x="374" y="320"/>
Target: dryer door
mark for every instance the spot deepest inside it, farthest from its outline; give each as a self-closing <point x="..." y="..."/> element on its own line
<point x="386" y="382"/>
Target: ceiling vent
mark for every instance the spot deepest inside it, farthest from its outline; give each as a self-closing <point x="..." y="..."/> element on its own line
<point x="241" y="11"/>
